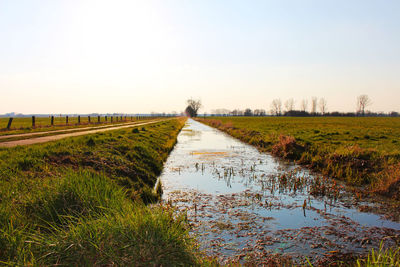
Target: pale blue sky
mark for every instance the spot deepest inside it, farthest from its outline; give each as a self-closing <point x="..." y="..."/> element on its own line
<point x="140" y="56"/>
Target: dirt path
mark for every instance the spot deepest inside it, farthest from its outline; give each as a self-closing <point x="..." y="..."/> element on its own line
<point x="61" y="136"/>
<point x="64" y="130"/>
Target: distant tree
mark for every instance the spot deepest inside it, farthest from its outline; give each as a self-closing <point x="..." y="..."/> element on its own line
<point x="248" y="112"/>
<point x="314" y="103"/>
<point x="289" y="104"/>
<point x="193" y="107"/>
<point x="304" y="105"/>
<point x="296" y="113"/>
<point x="276" y="107"/>
<point x="221" y="111"/>
<point x="259" y="112"/>
<point x="189" y="111"/>
<point x="322" y="105"/>
<point x="262" y="112"/>
<point x="235" y="112"/>
<point x="363" y="101"/>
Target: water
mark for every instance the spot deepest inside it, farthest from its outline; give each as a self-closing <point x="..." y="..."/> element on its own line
<point x="240" y="201"/>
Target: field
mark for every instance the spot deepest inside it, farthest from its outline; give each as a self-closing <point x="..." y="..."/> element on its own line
<point x="82" y="201"/>
<point x="24" y="125"/>
<point x="93" y="200"/>
<point x="360" y="151"/>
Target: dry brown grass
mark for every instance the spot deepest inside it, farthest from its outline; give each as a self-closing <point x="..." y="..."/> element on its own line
<point x="389" y="184"/>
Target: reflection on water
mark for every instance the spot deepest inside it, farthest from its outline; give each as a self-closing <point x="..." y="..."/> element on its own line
<point x="239" y="200"/>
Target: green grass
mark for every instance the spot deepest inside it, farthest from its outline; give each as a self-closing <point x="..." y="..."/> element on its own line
<point x="24" y="125"/>
<point x="86" y="219"/>
<point x="360" y="151"/>
<point x="35" y="133"/>
<point x="134" y="160"/>
<point x="382" y="257"/>
<point x="81" y="201"/>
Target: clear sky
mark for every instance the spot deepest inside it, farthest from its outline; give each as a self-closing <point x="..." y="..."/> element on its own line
<point x="78" y="56"/>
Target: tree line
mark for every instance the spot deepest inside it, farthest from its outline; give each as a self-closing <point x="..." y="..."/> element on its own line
<point x="314" y="107"/>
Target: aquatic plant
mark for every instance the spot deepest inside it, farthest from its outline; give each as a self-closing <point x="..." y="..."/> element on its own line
<point x="336" y="147"/>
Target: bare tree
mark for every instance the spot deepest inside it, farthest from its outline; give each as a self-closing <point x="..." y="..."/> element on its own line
<point x="220" y="111"/>
<point x="259" y="112"/>
<point x="304" y="105"/>
<point x="363" y="101"/>
<point x="314" y="102"/>
<point x="322" y="105"/>
<point x="276" y="107"/>
<point x="193" y="107"/>
<point x="289" y="104"/>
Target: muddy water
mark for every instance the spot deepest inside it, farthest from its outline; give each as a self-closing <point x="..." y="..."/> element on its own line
<point x="240" y="201"/>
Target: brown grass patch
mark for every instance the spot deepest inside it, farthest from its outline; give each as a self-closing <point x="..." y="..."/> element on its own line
<point x="389" y="182"/>
<point x="287" y="147"/>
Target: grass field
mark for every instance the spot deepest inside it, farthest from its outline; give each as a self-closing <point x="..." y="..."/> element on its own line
<point x="90" y="201"/>
<point x="360" y="151"/>
<point x="24" y="125"/>
<point x="81" y="201"/>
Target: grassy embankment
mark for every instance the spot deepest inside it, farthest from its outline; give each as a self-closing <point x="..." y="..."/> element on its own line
<point x="81" y="201"/>
<point x="24" y="125"/>
<point x="360" y="151"/>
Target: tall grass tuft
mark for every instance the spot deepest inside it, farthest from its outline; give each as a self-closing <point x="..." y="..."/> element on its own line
<point x="382" y="257"/>
<point x="86" y="219"/>
<point x="77" y="194"/>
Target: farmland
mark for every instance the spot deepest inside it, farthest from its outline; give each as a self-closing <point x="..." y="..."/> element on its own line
<point x="360" y="151"/>
<point x="93" y="199"/>
<point x="46" y="136"/>
<point x="24" y="124"/>
<point x="81" y="200"/>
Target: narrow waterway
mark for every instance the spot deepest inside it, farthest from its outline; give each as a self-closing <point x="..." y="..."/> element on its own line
<point x="242" y="202"/>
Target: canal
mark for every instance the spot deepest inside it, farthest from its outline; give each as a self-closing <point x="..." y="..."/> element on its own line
<point x="246" y="205"/>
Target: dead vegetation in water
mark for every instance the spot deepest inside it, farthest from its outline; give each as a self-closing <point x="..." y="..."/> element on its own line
<point x="230" y="229"/>
<point x="246" y="228"/>
<point x="339" y="149"/>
